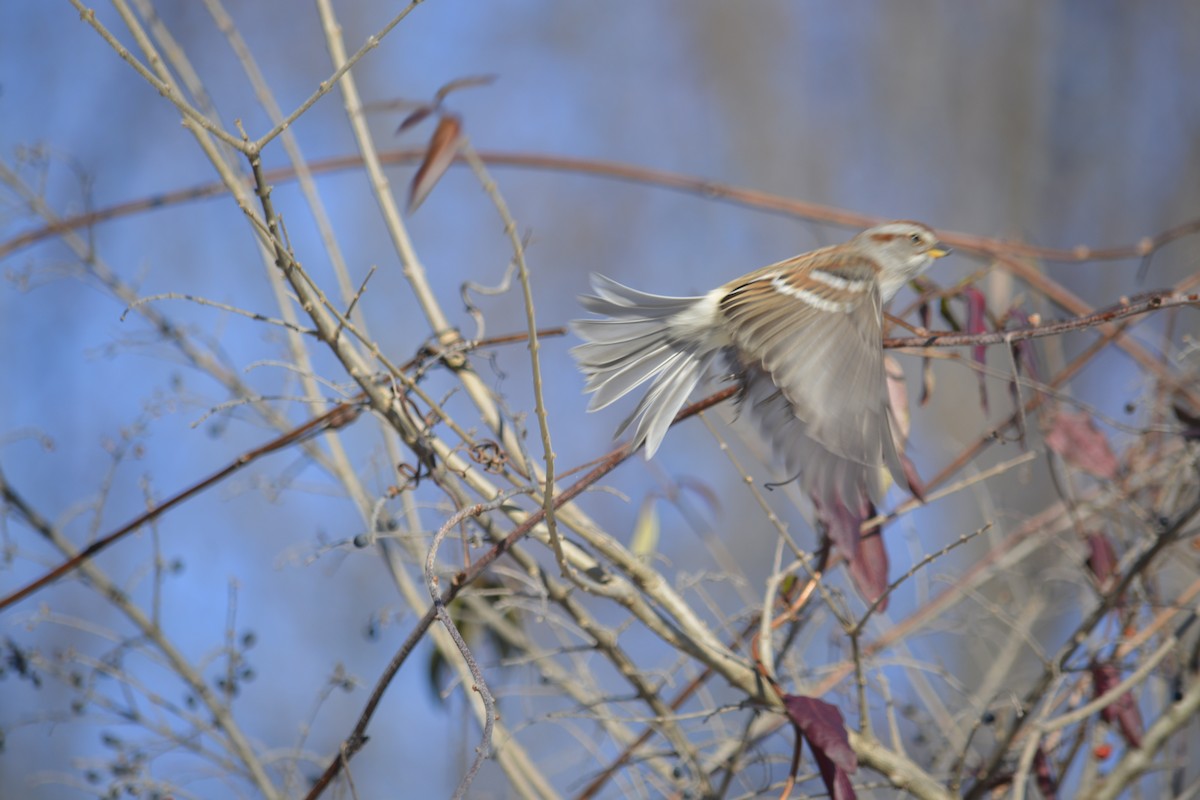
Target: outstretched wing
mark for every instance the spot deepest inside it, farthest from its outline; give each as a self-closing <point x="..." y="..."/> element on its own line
<point x="813" y="326"/>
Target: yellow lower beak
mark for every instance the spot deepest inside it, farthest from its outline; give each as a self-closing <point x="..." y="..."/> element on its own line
<point x="940" y="251"/>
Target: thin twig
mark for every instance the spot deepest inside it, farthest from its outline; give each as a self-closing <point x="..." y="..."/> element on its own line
<point x="254" y="315"/>
<point x="1128" y="308"/>
<point x="539" y="400"/>
<point x="443" y="616"/>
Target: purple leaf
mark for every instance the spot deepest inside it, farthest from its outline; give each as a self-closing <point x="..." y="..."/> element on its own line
<point x="821" y="724"/>
<point x="915" y="484"/>
<point x="842" y="523"/>
<point x="1046" y="782"/>
<point x="1102" y="559"/>
<point x="866" y="558"/>
<point x="1123" y="712"/>
<point x="869" y="567"/>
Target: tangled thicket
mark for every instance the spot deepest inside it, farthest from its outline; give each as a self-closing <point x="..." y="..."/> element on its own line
<point x="1073" y="609"/>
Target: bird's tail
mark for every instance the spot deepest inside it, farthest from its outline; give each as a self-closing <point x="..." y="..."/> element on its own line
<point x="641" y="339"/>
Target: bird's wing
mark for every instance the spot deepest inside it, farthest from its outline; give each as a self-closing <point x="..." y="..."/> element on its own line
<point x="813" y="325"/>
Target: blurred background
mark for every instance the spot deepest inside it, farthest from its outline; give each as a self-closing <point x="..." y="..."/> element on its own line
<point x="1052" y="123"/>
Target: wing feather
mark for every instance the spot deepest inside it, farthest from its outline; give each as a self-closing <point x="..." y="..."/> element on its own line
<point x="819" y="389"/>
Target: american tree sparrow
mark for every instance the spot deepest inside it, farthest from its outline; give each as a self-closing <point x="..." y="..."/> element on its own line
<point x="804" y="339"/>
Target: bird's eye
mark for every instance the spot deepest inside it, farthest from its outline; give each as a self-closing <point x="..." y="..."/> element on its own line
<point x="916" y="239"/>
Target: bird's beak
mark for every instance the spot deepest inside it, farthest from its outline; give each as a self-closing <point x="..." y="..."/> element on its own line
<point x="939" y="251"/>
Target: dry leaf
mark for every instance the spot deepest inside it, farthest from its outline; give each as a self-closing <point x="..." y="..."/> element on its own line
<point x="646" y="530"/>
<point x="417" y="115"/>
<point x="443" y="147"/>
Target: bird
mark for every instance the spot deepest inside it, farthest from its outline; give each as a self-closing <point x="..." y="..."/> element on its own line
<point x="803" y="339"/>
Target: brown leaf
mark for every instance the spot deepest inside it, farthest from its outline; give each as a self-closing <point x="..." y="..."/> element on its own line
<point x="415" y="116"/>
<point x="1075" y="437"/>
<point x="443" y="147"/>
<point x="462" y="83"/>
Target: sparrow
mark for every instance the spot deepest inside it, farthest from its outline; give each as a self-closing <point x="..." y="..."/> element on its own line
<point x="803" y="338"/>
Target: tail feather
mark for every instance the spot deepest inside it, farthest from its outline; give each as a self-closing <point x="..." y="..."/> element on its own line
<point x="664" y="401"/>
<point x="627" y="374"/>
<point x="621" y="295"/>
<point x="615" y="331"/>
<point x="606" y="355"/>
<point x="636" y="344"/>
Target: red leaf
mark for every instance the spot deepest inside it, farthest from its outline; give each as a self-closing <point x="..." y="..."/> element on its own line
<point x="822" y="725"/>
<point x="901" y="421"/>
<point x="1046" y="782"/>
<point x="1124" y="711"/>
<point x="1075" y="437"/>
<point x="915" y="484"/>
<point x="443" y="147"/>
<point x="869" y="568"/>
<point x="1102" y="559"/>
<point x="842" y="523"/>
<point x="866" y="558"/>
